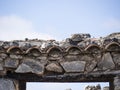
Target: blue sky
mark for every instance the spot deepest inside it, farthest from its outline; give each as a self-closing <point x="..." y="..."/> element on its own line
<point x="58" y="19"/>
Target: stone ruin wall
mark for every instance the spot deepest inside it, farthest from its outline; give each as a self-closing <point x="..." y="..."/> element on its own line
<point x="97" y="87"/>
<point x="78" y="58"/>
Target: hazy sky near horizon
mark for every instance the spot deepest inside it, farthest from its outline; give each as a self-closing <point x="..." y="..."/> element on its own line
<point x="57" y="19"/>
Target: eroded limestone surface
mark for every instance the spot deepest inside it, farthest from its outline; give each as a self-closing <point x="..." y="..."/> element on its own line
<point x="7" y="84"/>
<point x="79" y="54"/>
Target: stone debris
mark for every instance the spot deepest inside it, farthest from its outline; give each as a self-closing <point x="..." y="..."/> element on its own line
<point x="77" y="54"/>
<point x="30" y="65"/>
<point x="74" y="66"/>
<point x="11" y="63"/>
<point x="97" y="87"/>
<point x="106" y="62"/>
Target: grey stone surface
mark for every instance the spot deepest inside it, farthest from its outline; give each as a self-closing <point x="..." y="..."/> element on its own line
<point x="23" y="68"/>
<point x="116" y="58"/>
<point x="68" y="61"/>
<point x="55" y="54"/>
<point x="80" y="37"/>
<point x="1" y="59"/>
<point x="3" y="56"/>
<point x="54" y="68"/>
<point x="12" y="56"/>
<point x="117" y="83"/>
<point x="7" y="84"/>
<point x="74" y="66"/>
<point x="97" y="87"/>
<point x="72" y="57"/>
<point x="87" y="57"/>
<point x="43" y="60"/>
<point x="74" y="51"/>
<point x="1" y="67"/>
<point x="11" y="63"/>
<point x="29" y="65"/>
<point x="90" y="66"/>
<point x="65" y="43"/>
<point x="106" y="62"/>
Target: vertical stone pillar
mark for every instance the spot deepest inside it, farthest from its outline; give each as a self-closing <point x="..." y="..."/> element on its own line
<point x="8" y="84"/>
<point x="117" y="83"/>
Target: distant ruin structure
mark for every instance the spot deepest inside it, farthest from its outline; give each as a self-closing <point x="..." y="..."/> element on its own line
<point x="79" y="58"/>
<point x="97" y="87"/>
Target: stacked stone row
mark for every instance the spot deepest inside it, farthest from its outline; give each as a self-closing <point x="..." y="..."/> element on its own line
<point x="55" y="59"/>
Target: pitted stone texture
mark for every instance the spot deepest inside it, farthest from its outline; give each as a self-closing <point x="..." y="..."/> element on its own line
<point x="30" y="65"/>
<point x="98" y="87"/>
<point x="87" y="57"/>
<point x="6" y="84"/>
<point x="55" y="55"/>
<point x="12" y="56"/>
<point x="116" y="58"/>
<point x="3" y="56"/>
<point x="106" y="62"/>
<point x="54" y="68"/>
<point x="74" y="51"/>
<point x="49" y="43"/>
<point x="89" y="41"/>
<point x="80" y="37"/>
<point x="1" y="67"/>
<point x="74" y="66"/>
<point x="117" y="83"/>
<point x="43" y="60"/>
<point x="1" y="59"/>
<point x="66" y="43"/>
<point x="72" y="57"/>
<point x="91" y="66"/>
<point x="23" y="68"/>
<point x="11" y="63"/>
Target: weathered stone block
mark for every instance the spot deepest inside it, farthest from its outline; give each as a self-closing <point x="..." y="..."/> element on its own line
<point x="15" y="56"/>
<point x="23" y="68"/>
<point x="6" y="84"/>
<point x="87" y="57"/>
<point x="72" y="57"/>
<point x="1" y="67"/>
<point x="116" y="58"/>
<point x="11" y="63"/>
<point x="43" y="60"/>
<point x="30" y="65"/>
<point x="1" y="59"/>
<point x="106" y="62"/>
<point x="3" y="56"/>
<point x="54" y="68"/>
<point x="74" y="66"/>
<point x="117" y="83"/>
<point x="90" y="66"/>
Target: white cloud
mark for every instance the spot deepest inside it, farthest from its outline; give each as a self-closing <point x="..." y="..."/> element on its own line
<point x="112" y="23"/>
<point x="16" y="28"/>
